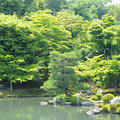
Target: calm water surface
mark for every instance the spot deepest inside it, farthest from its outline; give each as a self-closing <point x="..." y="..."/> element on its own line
<point x="30" y="109"/>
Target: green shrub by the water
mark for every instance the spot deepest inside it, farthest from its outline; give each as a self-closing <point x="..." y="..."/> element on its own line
<point x="95" y="98"/>
<point x="61" y="98"/>
<point x="75" y="100"/>
<point x="100" y="105"/>
<point x="113" y="108"/>
<point x="67" y="98"/>
<point x="106" y="98"/>
<point x="93" y="91"/>
<point x="1" y="94"/>
<point x="118" y="110"/>
<point x="118" y="104"/>
<point x="105" y="109"/>
<point x="99" y="95"/>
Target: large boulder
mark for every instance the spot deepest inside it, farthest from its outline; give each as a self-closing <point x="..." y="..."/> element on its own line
<point x="115" y="100"/>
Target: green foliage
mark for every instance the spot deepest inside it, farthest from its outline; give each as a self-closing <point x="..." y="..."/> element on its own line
<point x="106" y="98"/>
<point x="105" y="109"/>
<point x="61" y="69"/>
<point x="89" y="9"/>
<point x="99" y="96"/>
<point x="118" y="110"/>
<point x="56" y="5"/>
<point x="82" y="86"/>
<point x="73" y="100"/>
<point x="61" y="98"/>
<point x="19" y="59"/>
<point x="1" y="94"/>
<point x="67" y="98"/>
<point x="95" y="98"/>
<point x="113" y="108"/>
<point x="94" y="90"/>
<point x="100" y="105"/>
<point x="118" y="104"/>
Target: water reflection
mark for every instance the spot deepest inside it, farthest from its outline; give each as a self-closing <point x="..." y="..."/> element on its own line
<point x="30" y="109"/>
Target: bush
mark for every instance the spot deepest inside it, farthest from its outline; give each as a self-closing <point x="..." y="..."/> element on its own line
<point x="67" y="99"/>
<point x="118" y="110"/>
<point x="95" y="98"/>
<point x="99" y="95"/>
<point x="100" y="105"/>
<point x="113" y="108"/>
<point x="93" y="91"/>
<point x="61" y="98"/>
<point x="118" y="104"/>
<point x="75" y="100"/>
<point x="106" y="98"/>
<point x="1" y="94"/>
<point x="105" y="109"/>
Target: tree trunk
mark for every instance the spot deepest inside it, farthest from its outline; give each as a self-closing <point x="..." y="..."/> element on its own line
<point x="116" y="85"/>
<point x="105" y="54"/>
<point x="65" y="91"/>
<point x="11" y="86"/>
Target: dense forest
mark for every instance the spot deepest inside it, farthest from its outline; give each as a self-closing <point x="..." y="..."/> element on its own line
<point x="60" y="45"/>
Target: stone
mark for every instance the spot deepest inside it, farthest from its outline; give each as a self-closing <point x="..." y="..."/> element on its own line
<point x="83" y="91"/>
<point x="51" y="102"/>
<point x="94" y="111"/>
<point x="88" y="92"/>
<point x="115" y="100"/>
<point x="99" y="91"/>
<point x="43" y="103"/>
<point x="85" y="103"/>
<point x="68" y="103"/>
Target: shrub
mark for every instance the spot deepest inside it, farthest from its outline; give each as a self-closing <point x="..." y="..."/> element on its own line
<point x="67" y="99"/>
<point x="1" y="94"/>
<point x="93" y="91"/>
<point x="75" y="100"/>
<point x="118" y="104"/>
<point x="100" y="105"/>
<point x="99" y="95"/>
<point x="61" y="98"/>
<point x="113" y="108"/>
<point x="106" y="98"/>
<point x="118" y="110"/>
<point x="95" y="98"/>
<point x="105" y="109"/>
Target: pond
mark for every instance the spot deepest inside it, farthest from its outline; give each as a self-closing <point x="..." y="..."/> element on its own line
<point x="30" y="109"/>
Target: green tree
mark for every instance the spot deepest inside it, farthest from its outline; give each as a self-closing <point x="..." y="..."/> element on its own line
<point x="89" y="9"/>
<point x="104" y="35"/>
<point x="19" y="48"/>
<point x="62" y="75"/>
<point x="56" y="5"/>
<point x="97" y="69"/>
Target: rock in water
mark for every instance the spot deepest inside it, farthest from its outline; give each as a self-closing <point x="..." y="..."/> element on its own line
<point x="85" y="103"/>
<point x="94" y="111"/>
<point x="115" y="100"/>
<point x="43" y="103"/>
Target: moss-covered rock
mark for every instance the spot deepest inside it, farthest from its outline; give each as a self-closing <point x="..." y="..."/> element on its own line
<point x="106" y="98"/>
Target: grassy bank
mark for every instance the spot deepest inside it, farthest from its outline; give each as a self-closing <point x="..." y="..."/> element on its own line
<point x="23" y="92"/>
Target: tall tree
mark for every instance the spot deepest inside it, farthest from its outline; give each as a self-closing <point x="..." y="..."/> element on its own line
<point x="89" y="9"/>
<point x="56" y="5"/>
<point x="62" y="75"/>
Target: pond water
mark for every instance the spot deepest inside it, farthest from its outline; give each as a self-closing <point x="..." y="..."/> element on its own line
<point x="30" y="109"/>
